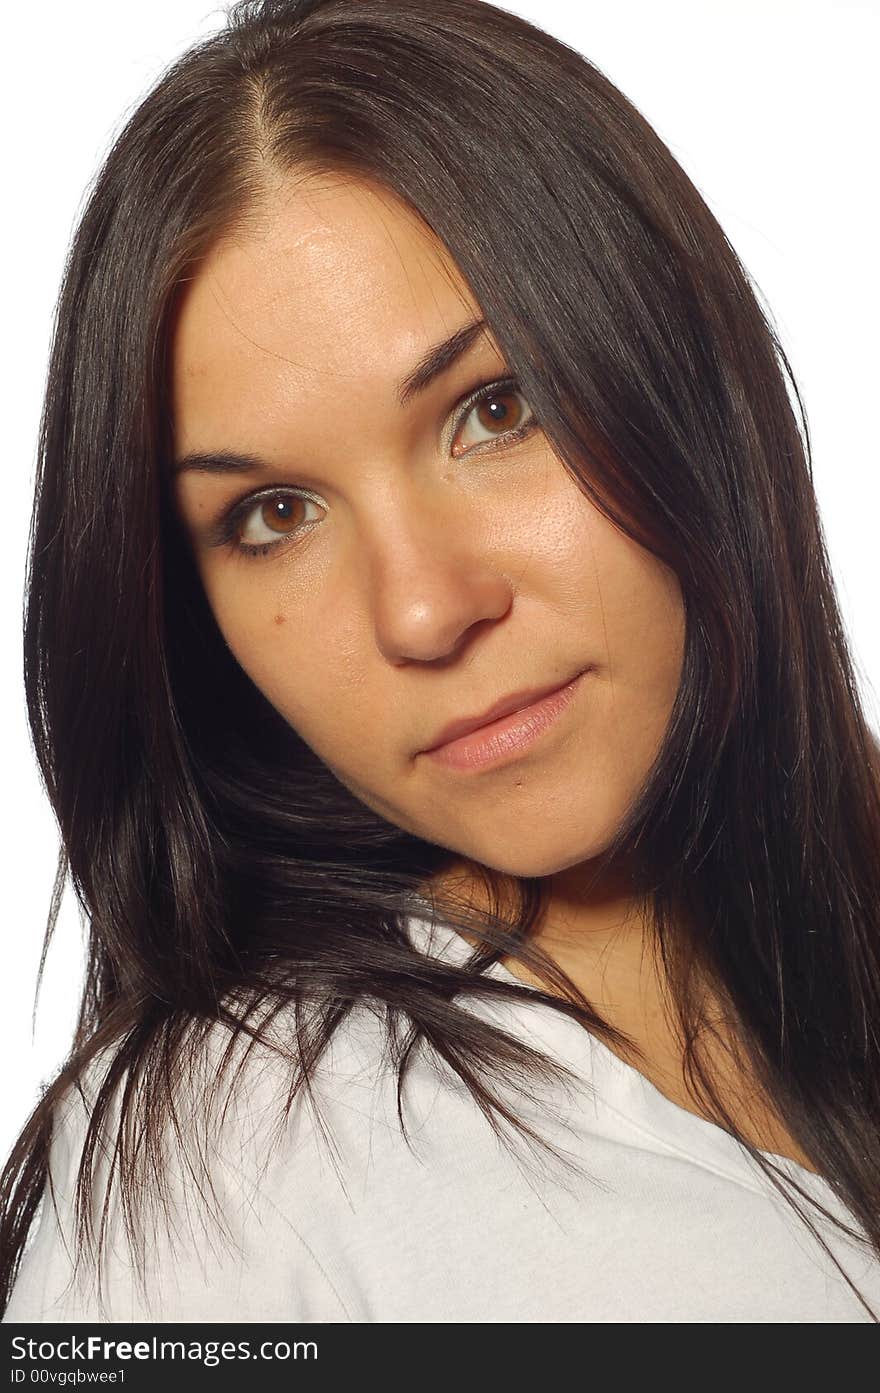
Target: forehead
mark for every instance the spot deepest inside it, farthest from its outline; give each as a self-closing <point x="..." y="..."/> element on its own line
<point x="337" y="284"/>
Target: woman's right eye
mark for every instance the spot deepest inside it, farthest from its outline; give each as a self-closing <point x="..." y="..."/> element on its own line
<point x="264" y="523"/>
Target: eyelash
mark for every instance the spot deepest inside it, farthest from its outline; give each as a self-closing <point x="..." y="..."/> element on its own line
<point x="226" y="528"/>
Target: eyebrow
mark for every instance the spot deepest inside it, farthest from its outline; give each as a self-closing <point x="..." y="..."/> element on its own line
<point x="435" y="361"/>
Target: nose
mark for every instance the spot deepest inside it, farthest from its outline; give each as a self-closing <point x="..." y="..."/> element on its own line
<point x="433" y="580"/>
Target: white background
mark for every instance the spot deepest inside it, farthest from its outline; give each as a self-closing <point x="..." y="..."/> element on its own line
<point x="771" y="107"/>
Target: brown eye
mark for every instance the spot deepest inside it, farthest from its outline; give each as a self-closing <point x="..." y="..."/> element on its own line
<point x="265" y="522"/>
<point x="281" y="514"/>
<point x="499" y="412"/>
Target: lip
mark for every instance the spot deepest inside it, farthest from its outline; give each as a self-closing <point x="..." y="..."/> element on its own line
<point x="506" y="727"/>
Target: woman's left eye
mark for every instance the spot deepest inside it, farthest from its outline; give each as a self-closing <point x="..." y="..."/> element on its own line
<point x="500" y="410"/>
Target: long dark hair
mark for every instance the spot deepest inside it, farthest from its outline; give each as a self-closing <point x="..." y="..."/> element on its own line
<point x="222" y="867"/>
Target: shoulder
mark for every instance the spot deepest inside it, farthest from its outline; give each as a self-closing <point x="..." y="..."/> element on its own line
<point x="224" y="1228"/>
<point x="276" y="1208"/>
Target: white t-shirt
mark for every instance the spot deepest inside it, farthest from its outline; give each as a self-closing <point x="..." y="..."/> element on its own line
<point x="668" y="1219"/>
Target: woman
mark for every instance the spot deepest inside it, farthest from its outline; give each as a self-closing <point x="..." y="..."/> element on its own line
<point x="436" y="671"/>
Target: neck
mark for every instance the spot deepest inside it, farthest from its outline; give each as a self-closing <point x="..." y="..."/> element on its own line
<point x="602" y="939"/>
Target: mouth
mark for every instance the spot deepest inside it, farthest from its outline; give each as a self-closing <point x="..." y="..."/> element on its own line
<point x="506" y="729"/>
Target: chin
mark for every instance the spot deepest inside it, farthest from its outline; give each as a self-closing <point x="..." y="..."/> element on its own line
<point x="533" y="862"/>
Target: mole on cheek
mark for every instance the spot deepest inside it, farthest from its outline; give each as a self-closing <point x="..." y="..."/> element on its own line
<point x="279" y="619"/>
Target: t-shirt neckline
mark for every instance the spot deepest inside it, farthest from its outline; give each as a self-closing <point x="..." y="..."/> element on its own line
<point x="624" y="1089"/>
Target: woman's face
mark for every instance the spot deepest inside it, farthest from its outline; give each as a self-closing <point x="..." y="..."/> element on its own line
<point x="419" y="572"/>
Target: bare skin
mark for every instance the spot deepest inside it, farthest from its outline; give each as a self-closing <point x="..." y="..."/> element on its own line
<point x="417" y="576"/>
<point x="615" y="967"/>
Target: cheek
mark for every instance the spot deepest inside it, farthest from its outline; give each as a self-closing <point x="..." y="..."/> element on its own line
<point x="629" y="609"/>
<point x="643" y="622"/>
<point x="284" y="662"/>
<point x="632" y="605"/>
<point x="646" y="625"/>
<point x="313" y="684"/>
